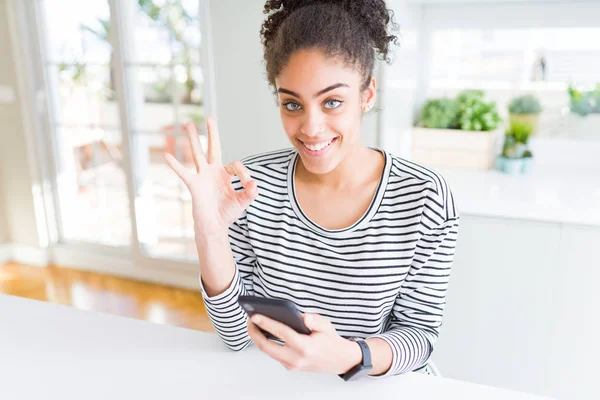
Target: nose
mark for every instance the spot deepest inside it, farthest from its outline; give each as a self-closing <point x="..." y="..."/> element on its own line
<point x="314" y="124"/>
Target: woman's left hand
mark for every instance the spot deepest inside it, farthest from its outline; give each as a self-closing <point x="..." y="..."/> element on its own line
<point x="321" y="351"/>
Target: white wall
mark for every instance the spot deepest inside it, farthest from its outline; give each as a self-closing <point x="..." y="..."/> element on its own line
<point x="400" y="94"/>
<point x="248" y="118"/>
<point x="15" y="178"/>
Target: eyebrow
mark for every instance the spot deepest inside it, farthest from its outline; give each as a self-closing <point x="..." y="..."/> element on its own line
<point x="327" y="89"/>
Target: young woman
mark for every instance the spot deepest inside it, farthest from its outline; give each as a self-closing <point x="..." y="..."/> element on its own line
<point x="360" y="240"/>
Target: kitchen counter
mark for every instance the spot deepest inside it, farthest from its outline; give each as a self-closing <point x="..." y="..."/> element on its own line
<point x="549" y="194"/>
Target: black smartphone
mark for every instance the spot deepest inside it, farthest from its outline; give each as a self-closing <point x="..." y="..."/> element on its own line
<point x="280" y="310"/>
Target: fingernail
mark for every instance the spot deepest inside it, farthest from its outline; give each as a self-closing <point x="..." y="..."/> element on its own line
<point x="256" y="319"/>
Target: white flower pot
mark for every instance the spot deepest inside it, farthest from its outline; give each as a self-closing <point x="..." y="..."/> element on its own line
<point x="454" y="148"/>
<point x="512" y="166"/>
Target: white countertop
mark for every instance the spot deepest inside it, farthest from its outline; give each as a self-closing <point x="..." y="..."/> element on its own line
<point x="549" y="194"/>
<point x="57" y="352"/>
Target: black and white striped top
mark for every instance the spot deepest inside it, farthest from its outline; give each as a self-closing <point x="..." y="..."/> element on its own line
<point x="385" y="276"/>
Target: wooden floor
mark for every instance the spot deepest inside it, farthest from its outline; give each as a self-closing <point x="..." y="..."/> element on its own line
<point x="107" y="294"/>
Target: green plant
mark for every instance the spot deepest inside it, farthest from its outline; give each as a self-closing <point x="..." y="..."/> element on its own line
<point x="595" y="99"/>
<point x="513" y="149"/>
<point x="516" y="139"/>
<point x="469" y="95"/>
<point x="74" y="73"/>
<point x="173" y="16"/>
<point x="469" y="111"/>
<point x="197" y="117"/>
<point x="521" y="131"/>
<point x="527" y="104"/>
<point x="439" y="113"/>
<point x="159" y="92"/>
<point x="102" y="32"/>
<point x="509" y="148"/>
<point x="475" y="114"/>
<point x="584" y="103"/>
<point x="527" y="154"/>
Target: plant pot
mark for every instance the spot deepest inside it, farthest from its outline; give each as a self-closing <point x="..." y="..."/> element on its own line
<point x="527" y="165"/>
<point x="499" y="163"/>
<point x="587" y="127"/>
<point x="454" y="148"/>
<point x="512" y="166"/>
<point x="531" y="119"/>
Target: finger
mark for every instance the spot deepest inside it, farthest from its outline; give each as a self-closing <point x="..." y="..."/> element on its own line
<point x="279" y="330"/>
<point x="214" y="141"/>
<point x="177" y="167"/>
<point x="255" y="334"/>
<point x="258" y="337"/>
<point x="283" y="354"/>
<point x="229" y="169"/>
<point x="318" y="323"/>
<point x="242" y="172"/>
<point x="250" y="186"/>
<point x="197" y="152"/>
<point x="248" y="195"/>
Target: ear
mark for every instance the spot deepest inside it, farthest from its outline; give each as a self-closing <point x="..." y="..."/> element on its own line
<point x="369" y="95"/>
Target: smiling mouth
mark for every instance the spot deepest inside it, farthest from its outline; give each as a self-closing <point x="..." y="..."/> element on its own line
<point x="318" y="146"/>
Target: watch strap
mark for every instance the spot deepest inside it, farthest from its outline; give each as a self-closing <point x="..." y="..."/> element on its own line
<point x="364" y="366"/>
<point x="366" y="353"/>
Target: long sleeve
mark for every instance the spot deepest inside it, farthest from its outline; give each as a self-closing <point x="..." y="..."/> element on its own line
<point x="226" y="315"/>
<point x="416" y="316"/>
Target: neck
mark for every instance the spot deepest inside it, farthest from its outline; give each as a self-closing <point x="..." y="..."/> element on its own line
<point x="346" y="174"/>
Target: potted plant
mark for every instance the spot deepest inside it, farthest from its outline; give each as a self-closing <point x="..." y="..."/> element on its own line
<point x="526" y="108"/>
<point x="440" y="114"/>
<point x="527" y="161"/>
<point x="475" y="114"/>
<point x="584" y="120"/>
<point x="516" y="158"/>
<point x="457" y="132"/>
<point x="510" y="161"/>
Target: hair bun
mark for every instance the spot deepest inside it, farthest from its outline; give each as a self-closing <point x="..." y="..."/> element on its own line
<point x="374" y="16"/>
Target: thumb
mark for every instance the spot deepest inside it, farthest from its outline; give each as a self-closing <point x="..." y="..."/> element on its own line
<point x="318" y="323"/>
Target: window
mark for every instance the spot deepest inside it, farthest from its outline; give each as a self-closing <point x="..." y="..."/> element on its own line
<point x="120" y="95"/>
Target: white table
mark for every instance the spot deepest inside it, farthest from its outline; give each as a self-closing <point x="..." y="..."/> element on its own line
<point x="57" y="352"/>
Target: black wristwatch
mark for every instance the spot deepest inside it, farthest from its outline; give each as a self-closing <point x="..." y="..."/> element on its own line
<point x="365" y="365"/>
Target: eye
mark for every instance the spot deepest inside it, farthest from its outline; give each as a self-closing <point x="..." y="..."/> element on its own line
<point x="291" y="106"/>
<point x="331" y="104"/>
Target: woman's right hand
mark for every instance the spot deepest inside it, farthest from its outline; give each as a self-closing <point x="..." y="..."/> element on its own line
<point x="215" y="204"/>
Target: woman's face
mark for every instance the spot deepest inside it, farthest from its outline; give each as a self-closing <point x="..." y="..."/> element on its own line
<point x="321" y="106"/>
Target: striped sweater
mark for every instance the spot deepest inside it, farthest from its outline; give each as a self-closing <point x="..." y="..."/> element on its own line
<point x="385" y="276"/>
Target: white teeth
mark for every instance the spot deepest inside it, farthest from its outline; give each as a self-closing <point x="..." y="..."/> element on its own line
<point x="317" y="146"/>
